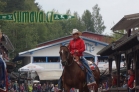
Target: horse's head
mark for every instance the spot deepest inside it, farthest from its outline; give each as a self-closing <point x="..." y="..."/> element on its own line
<point x="64" y="55"/>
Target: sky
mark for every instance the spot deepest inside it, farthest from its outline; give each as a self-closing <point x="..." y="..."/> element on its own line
<point x="111" y="10"/>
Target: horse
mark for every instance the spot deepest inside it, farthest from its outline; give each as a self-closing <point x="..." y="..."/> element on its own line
<point x="73" y="76"/>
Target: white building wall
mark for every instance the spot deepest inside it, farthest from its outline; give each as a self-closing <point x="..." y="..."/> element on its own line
<point x="51" y="51"/>
<point x="50" y="65"/>
<point x="91" y="47"/>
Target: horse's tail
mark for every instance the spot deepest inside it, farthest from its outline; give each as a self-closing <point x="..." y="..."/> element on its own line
<point x="97" y="68"/>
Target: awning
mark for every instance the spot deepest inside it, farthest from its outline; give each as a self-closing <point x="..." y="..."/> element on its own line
<point x="106" y="51"/>
<point x="31" y="67"/>
<point x="49" y="74"/>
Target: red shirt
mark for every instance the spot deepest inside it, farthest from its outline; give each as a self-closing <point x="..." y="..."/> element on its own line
<point x="114" y="82"/>
<point x="131" y="81"/>
<point x="77" y="44"/>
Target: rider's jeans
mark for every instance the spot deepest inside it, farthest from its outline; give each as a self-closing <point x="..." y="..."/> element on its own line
<point x="89" y="76"/>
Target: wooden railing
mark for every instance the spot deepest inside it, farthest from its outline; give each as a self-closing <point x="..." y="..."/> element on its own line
<point x="116" y="90"/>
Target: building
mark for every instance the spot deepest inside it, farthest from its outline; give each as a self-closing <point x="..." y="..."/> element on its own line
<point x="126" y="48"/>
<point x="46" y="54"/>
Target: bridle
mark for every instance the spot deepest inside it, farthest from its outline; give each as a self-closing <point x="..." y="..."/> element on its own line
<point x="68" y="56"/>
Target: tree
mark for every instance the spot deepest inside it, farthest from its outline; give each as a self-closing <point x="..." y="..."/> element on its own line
<point x="99" y="26"/>
<point x="87" y="20"/>
<point x="2" y="5"/>
<point x="116" y="36"/>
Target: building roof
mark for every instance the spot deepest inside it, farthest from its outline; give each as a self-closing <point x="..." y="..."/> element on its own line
<point x="105" y="51"/>
<point x="127" y="22"/>
<point x="109" y="49"/>
<point x="124" y="43"/>
<point x="70" y="36"/>
<point x="127" y="43"/>
<point x="65" y="41"/>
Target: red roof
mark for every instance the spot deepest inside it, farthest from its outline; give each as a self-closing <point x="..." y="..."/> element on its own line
<point x="94" y="36"/>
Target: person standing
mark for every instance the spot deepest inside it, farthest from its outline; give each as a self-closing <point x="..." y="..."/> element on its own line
<point x="131" y="80"/>
<point x="30" y="88"/>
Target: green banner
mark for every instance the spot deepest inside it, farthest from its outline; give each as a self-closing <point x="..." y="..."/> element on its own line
<point x="29" y="17"/>
<point x="60" y="16"/>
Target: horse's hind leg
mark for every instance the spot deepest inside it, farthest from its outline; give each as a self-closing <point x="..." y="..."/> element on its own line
<point x="86" y="89"/>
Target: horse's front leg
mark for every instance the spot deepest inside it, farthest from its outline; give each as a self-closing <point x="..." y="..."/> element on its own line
<point x="81" y="89"/>
<point x="66" y="88"/>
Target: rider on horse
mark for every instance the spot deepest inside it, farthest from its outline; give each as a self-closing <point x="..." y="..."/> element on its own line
<point x="77" y="47"/>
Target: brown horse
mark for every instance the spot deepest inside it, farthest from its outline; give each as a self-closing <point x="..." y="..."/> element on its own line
<point x="73" y="76"/>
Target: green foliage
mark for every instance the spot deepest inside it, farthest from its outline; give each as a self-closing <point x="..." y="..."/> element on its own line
<point x="87" y="20"/>
<point x="93" y="21"/>
<point x="117" y="36"/>
<point x="99" y="26"/>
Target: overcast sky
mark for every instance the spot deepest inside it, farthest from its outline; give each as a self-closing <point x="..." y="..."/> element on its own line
<point x="111" y="10"/>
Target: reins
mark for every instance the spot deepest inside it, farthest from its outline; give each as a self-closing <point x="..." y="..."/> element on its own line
<point x="68" y="64"/>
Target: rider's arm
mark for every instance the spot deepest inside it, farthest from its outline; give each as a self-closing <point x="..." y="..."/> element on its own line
<point x="82" y="47"/>
<point x="69" y="46"/>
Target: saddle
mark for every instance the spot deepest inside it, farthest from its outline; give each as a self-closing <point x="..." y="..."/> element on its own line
<point x="92" y="67"/>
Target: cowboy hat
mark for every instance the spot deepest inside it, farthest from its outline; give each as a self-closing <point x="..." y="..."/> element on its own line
<point x="74" y="31"/>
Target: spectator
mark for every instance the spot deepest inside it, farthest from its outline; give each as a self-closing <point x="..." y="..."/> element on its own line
<point x="131" y="80"/>
<point x="22" y="89"/>
<point x="47" y="86"/>
<point x="56" y="88"/>
<point x="52" y="87"/>
<point x="30" y="88"/>
<point x="44" y="88"/>
<point x="125" y="84"/>
<point x="39" y="88"/>
<point x="114" y="80"/>
<point x="121" y="79"/>
<point x="34" y="88"/>
<point x="15" y="86"/>
<point x="104" y="85"/>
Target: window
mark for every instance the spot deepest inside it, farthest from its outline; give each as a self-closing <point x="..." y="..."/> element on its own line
<point x="53" y="59"/>
<point x="89" y="58"/>
<point x="39" y="59"/>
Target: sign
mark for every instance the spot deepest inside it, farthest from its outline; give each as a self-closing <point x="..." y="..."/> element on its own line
<point x="89" y="47"/>
<point x="59" y="17"/>
<point x="30" y="17"/>
<point x="6" y="17"/>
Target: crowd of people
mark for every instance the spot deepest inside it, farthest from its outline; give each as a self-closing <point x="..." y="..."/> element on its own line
<point x="125" y="81"/>
<point x="35" y="87"/>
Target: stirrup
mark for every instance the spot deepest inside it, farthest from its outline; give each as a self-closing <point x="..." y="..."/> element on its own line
<point x="59" y="90"/>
